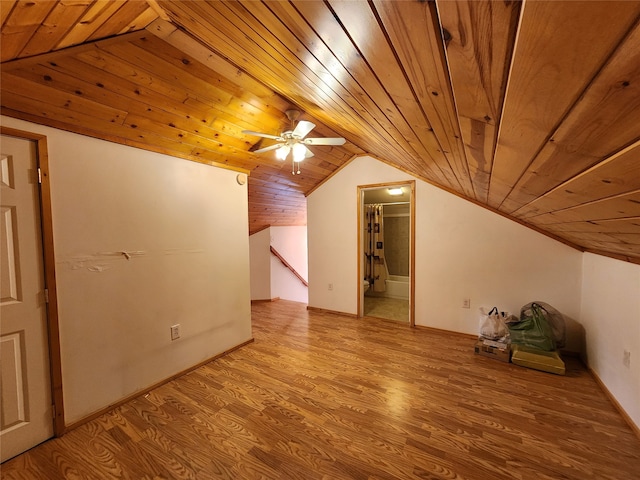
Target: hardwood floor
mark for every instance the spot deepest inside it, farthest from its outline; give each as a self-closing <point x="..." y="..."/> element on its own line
<point x="321" y="396"/>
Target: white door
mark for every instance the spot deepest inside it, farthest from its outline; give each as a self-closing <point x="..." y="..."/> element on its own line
<point x="26" y="413"/>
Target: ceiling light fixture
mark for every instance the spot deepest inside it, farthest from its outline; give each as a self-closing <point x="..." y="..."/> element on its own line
<point x="282" y="152"/>
<point x="298" y="153"/>
<point x="293" y="141"/>
<point x="395" y="191"/>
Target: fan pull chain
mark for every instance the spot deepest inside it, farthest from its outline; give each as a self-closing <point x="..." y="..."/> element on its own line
<point x="293" y="167"/>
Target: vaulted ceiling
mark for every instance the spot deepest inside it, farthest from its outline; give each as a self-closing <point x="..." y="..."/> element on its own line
<point x="531" y="108"/>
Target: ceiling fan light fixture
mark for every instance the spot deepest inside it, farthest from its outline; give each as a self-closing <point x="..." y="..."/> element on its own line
<point x="282" y="152"/>
<point x="294" y="141"/>
<point x="299" y="152"/>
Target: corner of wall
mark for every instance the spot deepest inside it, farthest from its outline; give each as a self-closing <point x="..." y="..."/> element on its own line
<point x="610" y="309"/>
<point x="260" y="265"/>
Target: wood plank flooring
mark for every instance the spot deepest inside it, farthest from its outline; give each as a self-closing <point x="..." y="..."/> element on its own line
<point x="322" y="396"/>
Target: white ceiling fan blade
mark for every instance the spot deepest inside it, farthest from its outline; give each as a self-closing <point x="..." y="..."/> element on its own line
<point x="324" y="141"/>
<point x="263" y="135"/>
<point x="308" y="153"/>
<point x="269" y="148"/>
<point x="303" y="128"/>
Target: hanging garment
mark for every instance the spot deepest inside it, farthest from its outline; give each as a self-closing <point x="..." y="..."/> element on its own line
<point x="375" y="266"/>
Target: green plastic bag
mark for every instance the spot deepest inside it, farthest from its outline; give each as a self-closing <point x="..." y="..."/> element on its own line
<point x="533" y="329"/>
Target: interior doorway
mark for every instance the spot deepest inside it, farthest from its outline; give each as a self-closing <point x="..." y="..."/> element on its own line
<point x="31" y="398"/>
<point x="386" y="251"/>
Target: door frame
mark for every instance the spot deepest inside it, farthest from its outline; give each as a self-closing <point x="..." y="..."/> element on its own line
<point x="412" y="243"/>
<point x="46" y="227"/>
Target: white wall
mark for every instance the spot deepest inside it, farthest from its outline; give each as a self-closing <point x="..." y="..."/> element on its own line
<point x="270" y="277"/>
<point x="260" y="263"/>
<point x="285" y="285"/>
<point x="291" y="243"/>
<point x="466" y="251"/>
<point x="462" y="251"/>
<point x="611" y="317"/>
<point x="185" y="228"/>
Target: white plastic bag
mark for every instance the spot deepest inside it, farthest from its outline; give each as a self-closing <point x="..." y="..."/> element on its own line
<point x="492" y="324"/>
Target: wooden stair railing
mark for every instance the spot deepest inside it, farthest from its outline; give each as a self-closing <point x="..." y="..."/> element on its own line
<point x="286" y="264"/>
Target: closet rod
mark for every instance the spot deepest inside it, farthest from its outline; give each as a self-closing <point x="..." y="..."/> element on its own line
<point x="388" y="203"/>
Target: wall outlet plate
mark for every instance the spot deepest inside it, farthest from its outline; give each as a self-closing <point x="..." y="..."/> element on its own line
<point x="175" y="331"/>
<point x="626" y="358"/>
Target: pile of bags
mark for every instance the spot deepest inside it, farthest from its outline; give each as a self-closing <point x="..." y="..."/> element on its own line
<point x="532" y="340"/>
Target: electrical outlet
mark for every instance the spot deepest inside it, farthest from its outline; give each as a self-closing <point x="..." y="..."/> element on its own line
<point x="626" y="358"/>
<point x="175" y="331"/>
<point x="466" y="303"/>
<point x="331" y="286"/>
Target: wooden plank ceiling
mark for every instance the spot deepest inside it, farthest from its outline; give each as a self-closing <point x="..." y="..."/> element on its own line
<point x="530" y="108"/>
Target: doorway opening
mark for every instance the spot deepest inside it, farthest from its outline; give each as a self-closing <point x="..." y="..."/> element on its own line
<point x="386" y="251"/>
<point x="32" y="408"/>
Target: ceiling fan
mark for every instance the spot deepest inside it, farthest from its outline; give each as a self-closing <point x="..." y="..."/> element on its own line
<point x="294" y="141"/>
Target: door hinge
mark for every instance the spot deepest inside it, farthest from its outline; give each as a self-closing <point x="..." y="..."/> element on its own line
<point x="53" y="412"/>
<point x="46" y="295"/>
<point x="39" y="175"/>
